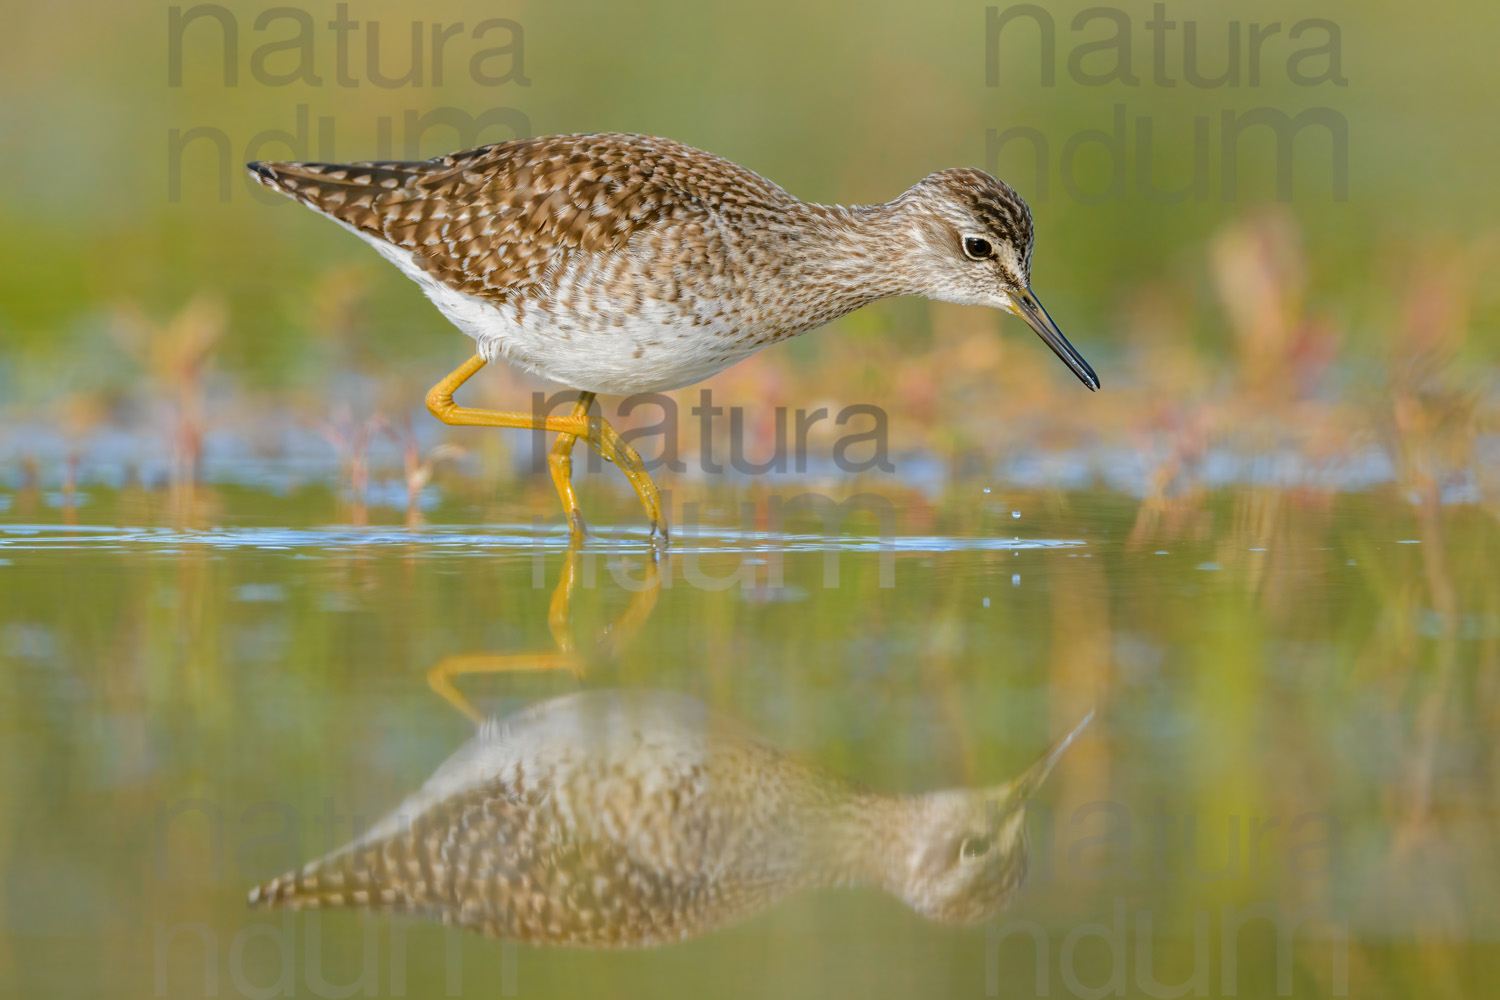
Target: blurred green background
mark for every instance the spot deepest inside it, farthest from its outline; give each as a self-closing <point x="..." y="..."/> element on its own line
<point x="847" y="102"/>
<point x="1280" y="512"/>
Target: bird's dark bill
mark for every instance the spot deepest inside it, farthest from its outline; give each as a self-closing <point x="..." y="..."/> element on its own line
<point x="1032" y="312"/>
<point x="1027" y="784"/>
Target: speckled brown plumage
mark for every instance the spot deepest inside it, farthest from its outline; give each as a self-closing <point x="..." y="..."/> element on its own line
<point x="624" y="263"/>
<point x="503" y="221"/>
<point x="614" y="819"/>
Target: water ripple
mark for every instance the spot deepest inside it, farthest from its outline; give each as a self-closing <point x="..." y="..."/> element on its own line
<point x="469" y="540"/>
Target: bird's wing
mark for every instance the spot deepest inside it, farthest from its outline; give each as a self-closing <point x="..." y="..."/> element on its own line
<point x="498" y="863"/>
<point x="495" y="219"/>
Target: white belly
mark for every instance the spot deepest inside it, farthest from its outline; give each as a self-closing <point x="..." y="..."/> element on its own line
<point x="594" y="344"/>
<point x="644" y="349"/>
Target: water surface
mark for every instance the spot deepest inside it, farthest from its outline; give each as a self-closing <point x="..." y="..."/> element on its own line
<point x="1292" y="689"/>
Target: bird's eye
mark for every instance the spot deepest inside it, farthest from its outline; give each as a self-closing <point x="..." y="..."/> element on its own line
<point x="974" y="847"/>
<point x="977" y="247"/>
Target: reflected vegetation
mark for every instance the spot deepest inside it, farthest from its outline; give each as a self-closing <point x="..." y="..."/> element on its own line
<point x="1292" y="767"/>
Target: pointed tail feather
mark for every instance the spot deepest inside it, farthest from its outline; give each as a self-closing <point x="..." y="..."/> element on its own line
<point x="373" y="876"/>
<point x="367" y="196"/>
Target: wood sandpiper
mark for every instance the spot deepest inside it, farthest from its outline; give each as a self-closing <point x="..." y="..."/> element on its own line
<point x="628" y="819"/>
<point x="627" y="264"/>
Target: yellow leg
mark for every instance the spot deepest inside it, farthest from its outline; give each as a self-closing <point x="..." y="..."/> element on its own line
<point x="561" y="463"/>
<point x="559" y="610"/>
<point x="595" y="430"/>
<point x="441" y="677"/>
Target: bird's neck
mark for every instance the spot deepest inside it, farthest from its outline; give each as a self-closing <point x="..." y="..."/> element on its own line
<point x="857" y="254"/>
<point x="864" y="838"/>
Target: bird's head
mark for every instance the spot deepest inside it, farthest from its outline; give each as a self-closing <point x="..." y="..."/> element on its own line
<point x="975" y="238"/>
<point x="969" y="855"/>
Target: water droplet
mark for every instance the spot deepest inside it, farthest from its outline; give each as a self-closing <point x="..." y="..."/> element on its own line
<point x="1162" y="552"/>
<point x="986" y="602"/>
<point x="1015" y="579"/>
<point x="986" y="489"/>
<point x="1016" y="514"/>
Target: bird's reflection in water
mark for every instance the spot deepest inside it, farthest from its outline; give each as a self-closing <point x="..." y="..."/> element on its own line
<point x="567" y="656"/>
<point x="618" y="818"/>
